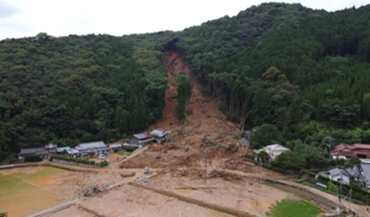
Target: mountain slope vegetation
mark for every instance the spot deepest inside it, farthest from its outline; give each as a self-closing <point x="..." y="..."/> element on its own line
<point x="304" y="71"/>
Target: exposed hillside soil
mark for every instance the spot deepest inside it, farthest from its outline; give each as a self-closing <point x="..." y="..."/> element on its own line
<point x="204" y="124"/>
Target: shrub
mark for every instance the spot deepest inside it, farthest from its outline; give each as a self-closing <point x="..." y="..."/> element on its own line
<point x="102" y="164"/>
<point x="33" y="158"/>
<point x="130" y="148"/>
<point x="75" y="160"/>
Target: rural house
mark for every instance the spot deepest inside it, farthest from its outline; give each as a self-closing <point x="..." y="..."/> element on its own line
<point x="347" y="151"/>
<point x="115" y="147"/>
<point x="140" y="139"/>
<point x="273" y="150"/>
<point x="44" y="152"/>
<point x="89" y="149"/>
<point x="159" y="135"/>
<point x="338" y="175"/>
<point x="361" y="172"/>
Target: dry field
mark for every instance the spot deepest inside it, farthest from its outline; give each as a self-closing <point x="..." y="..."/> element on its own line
<point x="163" y="195"/>
<point x="31" y="189"/>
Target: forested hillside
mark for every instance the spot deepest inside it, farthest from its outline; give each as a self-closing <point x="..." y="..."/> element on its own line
<point x="301" y="72"/>
<point x="304" y="71"/>
<point x="76" y="89"/>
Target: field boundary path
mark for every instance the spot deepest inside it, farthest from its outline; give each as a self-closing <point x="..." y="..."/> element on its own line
<point x="200" y="203"/>
<point x="55" y="208"/>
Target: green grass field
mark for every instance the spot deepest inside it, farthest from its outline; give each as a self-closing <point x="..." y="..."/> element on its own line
<point x="22" y="194"/>
<point x="10" y="185"/>
<point x="294" y="208"/>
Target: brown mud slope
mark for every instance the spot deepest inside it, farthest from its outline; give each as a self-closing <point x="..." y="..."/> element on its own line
<point x="204" y="124"/>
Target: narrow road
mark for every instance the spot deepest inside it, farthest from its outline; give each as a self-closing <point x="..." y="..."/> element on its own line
<point x="134" y="154"/>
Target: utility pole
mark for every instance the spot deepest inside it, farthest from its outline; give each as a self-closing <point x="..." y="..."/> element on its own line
<point x="340" y="190"/>
<point x="350" y="197"/>
<point x="260" y="160"/>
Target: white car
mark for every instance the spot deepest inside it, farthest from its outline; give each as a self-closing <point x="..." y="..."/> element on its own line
<point x="101" y="157"/>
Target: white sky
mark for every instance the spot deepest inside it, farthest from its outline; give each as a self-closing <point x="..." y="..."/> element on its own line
<point x="24" y="18"/>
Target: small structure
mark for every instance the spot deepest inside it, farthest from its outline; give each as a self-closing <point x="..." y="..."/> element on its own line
<point x="140" y="139"/>
<point x="91" y="148"/>
<point x="244" y="143"/>
<point x="344" y="151"/>
<point x="63" y="149"/>
<point x="44" y="152"/>
<point x="115" y="147"/>
<point x="339" y="175"/>
<point x="273" y="150"/>
<point x="160" y="135"/>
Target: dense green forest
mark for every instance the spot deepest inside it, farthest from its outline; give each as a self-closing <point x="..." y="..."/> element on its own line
<point x="303" y="73"/>
<point x="76" y="89"/>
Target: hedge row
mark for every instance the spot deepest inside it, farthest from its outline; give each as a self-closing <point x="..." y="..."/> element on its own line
<point x="130" y="148"/>
<point x="78" y="160"/>
<point x="33" y="158"/>
<point x="250" y="158"/>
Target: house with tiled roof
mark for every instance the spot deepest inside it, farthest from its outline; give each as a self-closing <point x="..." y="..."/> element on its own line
<point x="345" y="151"/>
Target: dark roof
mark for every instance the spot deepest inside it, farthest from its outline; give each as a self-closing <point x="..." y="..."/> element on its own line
<point x="28" y="151"/>
<point x="159" y="133"/>
<point x="115" y="145"/>
<point x="142" y="136"/>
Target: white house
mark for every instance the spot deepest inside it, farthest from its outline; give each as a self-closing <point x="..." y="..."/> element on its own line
<point x="339" y="175"/>
<point x="273" y="150"/>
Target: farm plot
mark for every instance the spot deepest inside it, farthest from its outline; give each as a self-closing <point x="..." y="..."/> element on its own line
<point x="22" y="191"/>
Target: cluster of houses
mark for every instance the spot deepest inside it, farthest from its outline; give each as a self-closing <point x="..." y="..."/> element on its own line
<point x="93" y="149"/>
<point x="359" y="172"/>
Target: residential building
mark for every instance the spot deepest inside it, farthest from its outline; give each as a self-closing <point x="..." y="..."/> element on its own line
<point x="89" y="149"/>
<point x="159" y="135"/>
<point x="273" y="150"/>
<point x="344" y="151"/>
<point x="140" y="139"/>
<point x="44" y="152"/>
<point x="115" y="147"/>
<point x="339" y="175"/>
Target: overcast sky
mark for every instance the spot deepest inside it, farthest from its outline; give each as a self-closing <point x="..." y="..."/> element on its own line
<point x="24" y="18"/>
